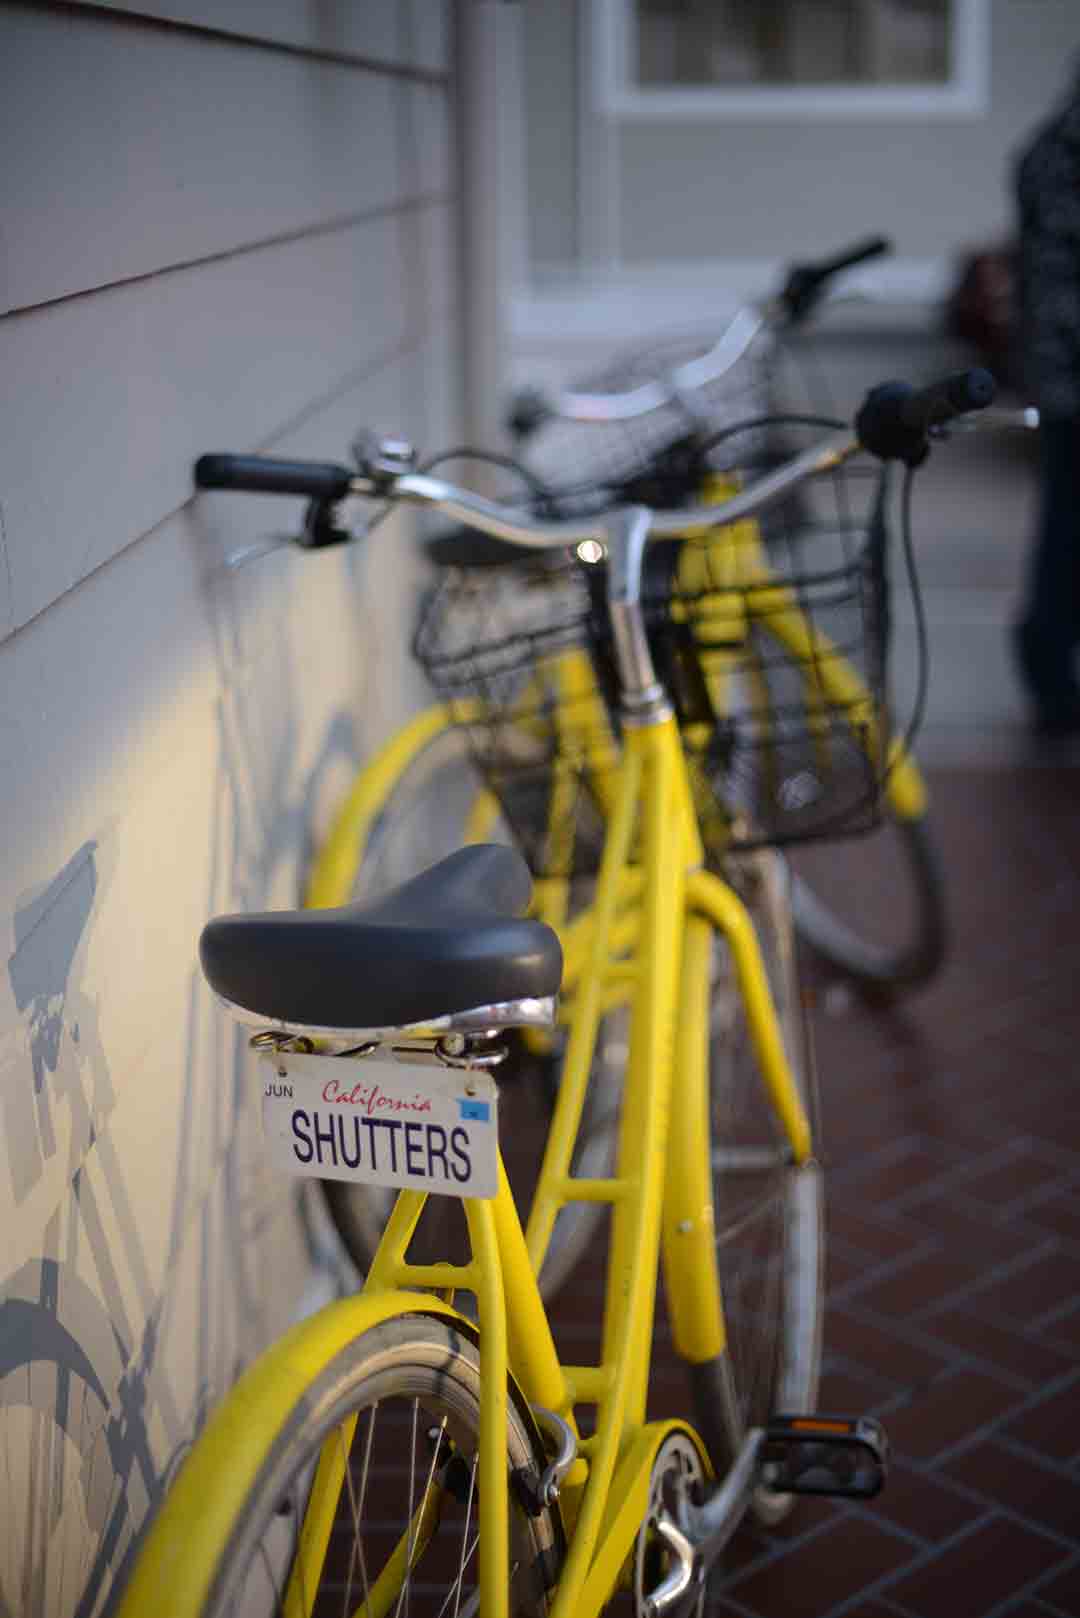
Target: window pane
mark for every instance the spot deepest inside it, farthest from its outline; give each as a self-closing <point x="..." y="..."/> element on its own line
<point x="742" y="43"/>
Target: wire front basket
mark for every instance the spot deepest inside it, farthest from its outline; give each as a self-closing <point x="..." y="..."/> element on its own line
<point x="587" y="454"/>
<point x="771" y="640"/>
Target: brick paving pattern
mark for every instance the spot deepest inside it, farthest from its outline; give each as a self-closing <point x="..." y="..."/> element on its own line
<point x="952" y="1136"/>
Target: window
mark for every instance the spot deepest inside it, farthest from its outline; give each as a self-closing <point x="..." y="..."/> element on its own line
<point x="791" y="58"/>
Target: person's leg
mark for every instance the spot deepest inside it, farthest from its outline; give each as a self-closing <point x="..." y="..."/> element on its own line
<point x="1049" y="629"/>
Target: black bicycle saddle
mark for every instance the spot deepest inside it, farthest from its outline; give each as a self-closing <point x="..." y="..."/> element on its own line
<point x="447" y="941"/>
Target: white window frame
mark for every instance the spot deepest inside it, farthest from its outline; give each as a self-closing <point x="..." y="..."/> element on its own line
<point x="617" y="96"/>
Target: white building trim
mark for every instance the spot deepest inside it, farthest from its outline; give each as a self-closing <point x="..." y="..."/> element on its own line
<point x="620" y="97"/>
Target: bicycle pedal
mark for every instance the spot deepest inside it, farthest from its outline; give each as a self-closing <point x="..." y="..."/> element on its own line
<point x="835" y="1455"/>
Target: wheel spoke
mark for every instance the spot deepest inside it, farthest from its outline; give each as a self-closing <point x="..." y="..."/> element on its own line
<point x="748" y="1159"/>
<point x="403" y="1594"/>
<point x="465" y="1534"/>
<point x="368" y="1441"/>
<point x="356" y="1550"/>
<point x="335" y="1457"/>
<point x="733" y="1231"/>
<point x="467" y="1556"/>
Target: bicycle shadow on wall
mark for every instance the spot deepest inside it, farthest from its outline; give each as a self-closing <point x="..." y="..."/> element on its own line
<point x="72" y="1378"/>
<point x="107" y="1369"/>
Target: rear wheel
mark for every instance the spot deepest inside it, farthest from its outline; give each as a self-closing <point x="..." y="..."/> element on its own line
<point x="768" y="1210"/>
<point x="401" y="1403"/>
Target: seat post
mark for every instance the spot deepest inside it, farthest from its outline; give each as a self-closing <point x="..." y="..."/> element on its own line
<point x="643" y="700"/>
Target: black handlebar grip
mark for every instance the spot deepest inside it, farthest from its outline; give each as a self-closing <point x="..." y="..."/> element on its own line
<point x="805" y="283"/>
<point x="857" y="253"/>
<point x="943" y="401"/>
<point x="894" y="419"/>
<point x="258" y="474"/>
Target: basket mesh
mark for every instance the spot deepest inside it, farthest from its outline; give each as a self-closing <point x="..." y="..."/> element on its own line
<point x="587" y="454"/>
<point x="770" y="641"/>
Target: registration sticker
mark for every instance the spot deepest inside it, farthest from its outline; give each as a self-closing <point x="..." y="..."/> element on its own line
<point x="388" y="1123"/>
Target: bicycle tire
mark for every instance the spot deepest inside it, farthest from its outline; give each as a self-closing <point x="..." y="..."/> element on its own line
<point x="893" y="875"/>
<point x="772" y="1292"/>
<point x="411" y="1360"/>
<point x="424" y="815"/>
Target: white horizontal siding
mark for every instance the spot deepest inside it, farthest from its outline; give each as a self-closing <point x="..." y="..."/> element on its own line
<point x="426" y="137"/>
<point x="186" y="724"/>
<point x="127" y="152"/>
<point x="144" y="377"/>
<point x="164" y="625"/>
<point x="410" y="33"/>
<point x="208" y="243"/>
<point x="186" y="779"/>
<point x="7" y="593"/>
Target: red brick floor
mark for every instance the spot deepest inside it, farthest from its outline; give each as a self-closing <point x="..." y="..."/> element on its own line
<point x="952" y="1137"/>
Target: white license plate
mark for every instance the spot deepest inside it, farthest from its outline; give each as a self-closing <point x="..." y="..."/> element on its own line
<point x="388" y="1123"/>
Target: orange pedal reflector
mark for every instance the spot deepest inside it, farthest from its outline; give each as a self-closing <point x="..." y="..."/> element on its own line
<point x="834" y="1455"/>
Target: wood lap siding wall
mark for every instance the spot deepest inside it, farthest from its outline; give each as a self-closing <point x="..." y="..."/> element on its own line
<point x="224" y="226"/>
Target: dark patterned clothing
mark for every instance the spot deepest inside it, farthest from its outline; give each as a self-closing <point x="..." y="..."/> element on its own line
<point x="1048" y="194"/>
<point x="1050" y="627"/>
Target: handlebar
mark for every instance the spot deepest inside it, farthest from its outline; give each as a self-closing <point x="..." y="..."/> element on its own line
<point x="530" y="408"/>
<point x="1002" y="418"/>
<point x="805" y="283"/>
<point x="895" y="420"/>
<point x="251" y="473"/>
<point x="259" y="474"/>
<point x="802" y="291"/>
<point x="893" y="423"/>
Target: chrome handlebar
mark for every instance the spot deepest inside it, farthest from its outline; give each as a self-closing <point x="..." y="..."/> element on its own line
<point x="572" y="404"/>
<point x="506" y="522"/>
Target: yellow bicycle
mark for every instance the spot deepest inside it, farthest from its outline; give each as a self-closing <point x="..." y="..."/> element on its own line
<point x="874" y="908"/>
<point x="397" y="1452"/>
<point x="769" y="636"/>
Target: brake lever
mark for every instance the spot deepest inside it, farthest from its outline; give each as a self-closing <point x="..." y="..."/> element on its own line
<point x="322" y="527"/>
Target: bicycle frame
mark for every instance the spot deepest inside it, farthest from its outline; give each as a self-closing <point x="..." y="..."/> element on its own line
<point x="644" y="942"/>
<point x="660" y="967"/>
